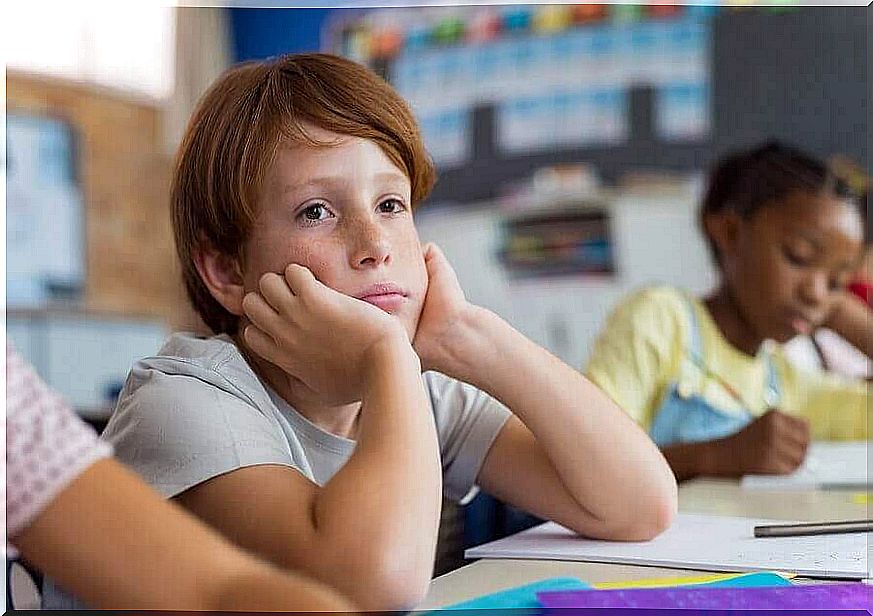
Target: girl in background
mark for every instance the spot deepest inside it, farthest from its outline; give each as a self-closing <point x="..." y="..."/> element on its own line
<point x="707" y="377"/>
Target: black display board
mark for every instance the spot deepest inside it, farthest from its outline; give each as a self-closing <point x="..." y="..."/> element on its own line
<point x="801" y="75"/>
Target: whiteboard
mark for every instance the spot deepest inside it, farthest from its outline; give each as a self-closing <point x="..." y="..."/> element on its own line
<point x="44" y="211"/>
<point x="699" y="542"/>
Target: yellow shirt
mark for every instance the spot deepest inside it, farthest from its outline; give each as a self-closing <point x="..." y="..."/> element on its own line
<point x="642" y="351"/>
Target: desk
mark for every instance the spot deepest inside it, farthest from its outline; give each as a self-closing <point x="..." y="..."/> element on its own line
<point x="717" y="497"/>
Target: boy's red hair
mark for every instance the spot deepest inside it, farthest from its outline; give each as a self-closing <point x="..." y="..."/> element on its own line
<point x="233" y="136"/>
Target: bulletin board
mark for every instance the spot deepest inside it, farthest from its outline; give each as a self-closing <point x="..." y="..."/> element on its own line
<point x="796" y="73"/>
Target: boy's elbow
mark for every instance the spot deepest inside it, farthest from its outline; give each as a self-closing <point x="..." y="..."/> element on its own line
<point x="658" y="518"/>
<point x="398" y="592"/>
<point x="644" y="521"/>
<point x="651" y="518"/>
<point x="390" y="586"/>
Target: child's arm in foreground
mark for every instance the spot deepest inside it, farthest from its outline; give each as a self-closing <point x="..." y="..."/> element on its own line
<point x="371" y="530"/>
<point x="570" y="454"/>
<point x="117" y="545"/>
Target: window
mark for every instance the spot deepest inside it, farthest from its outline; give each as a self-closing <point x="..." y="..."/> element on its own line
<point x="127" y="46"/>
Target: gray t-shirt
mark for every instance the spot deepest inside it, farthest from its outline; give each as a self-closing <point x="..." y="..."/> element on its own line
<point x="197" y="410"/>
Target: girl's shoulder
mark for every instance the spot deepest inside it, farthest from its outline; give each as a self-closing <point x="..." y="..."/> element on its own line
<point x="660" y="308"/>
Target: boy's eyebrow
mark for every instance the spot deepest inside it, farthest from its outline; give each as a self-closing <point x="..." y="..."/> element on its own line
<point x="338" y="180"/>
<point x="316" y="182"/>
<point x="391" y="176"/>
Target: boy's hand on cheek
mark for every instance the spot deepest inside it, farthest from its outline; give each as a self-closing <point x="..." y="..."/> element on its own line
<point x="327" y="340"/>
<point x="444" y="311"/>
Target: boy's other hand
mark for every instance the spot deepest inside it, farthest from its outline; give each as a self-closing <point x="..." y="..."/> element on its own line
<point x="444" y="310"/>
<point x="774" y="444"/>
<point x="327" y="340"/>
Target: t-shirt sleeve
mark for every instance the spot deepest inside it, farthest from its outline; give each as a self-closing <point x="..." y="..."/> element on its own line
<point x="468" y="420"/>
<point x="837" y="408"/>
<point x="633" y="356"/>
<point x="178" y="431"/>
<point x="47" y="445"/>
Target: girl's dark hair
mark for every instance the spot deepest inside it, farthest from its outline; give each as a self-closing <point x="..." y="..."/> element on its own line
<point x="743" y="182"/>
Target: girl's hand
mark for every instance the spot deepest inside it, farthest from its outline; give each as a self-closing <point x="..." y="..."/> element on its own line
<point x="445" y="310"/>
<point x="774" y="444"/>
<point x="852" y="319"/>
<point x="329" y="341"/>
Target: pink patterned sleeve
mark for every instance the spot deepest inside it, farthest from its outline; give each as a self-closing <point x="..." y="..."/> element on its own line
<point x="47" y="445"/>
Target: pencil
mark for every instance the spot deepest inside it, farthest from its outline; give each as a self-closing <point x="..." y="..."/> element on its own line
<point x="815" y="528"/>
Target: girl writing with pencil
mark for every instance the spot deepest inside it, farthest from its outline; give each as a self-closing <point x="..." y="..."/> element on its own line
<point x="706" y="377"/>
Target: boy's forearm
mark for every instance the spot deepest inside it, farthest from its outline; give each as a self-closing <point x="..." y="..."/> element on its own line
<point x="382" y="509"/>
<point x="576" y="424"/>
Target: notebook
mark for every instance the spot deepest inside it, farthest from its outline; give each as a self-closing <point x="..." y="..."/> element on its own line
<point x="730" y="546"/>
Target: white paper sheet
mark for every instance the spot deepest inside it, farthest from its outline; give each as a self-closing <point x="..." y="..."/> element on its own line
<point x="702" y="542"/>
<point x="827" y="465"/>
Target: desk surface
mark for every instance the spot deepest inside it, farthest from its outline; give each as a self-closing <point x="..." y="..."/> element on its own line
<point x="718" y="497"/>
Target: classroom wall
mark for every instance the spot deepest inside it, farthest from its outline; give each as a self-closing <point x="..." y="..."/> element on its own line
<point x="124" y="175"/>
<point x="261" y="33"/>
<point x="654" y="235"/>
<point x="800" y="74"/>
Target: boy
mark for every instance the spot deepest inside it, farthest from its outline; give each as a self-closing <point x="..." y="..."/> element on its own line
<point x="304" y="430"/>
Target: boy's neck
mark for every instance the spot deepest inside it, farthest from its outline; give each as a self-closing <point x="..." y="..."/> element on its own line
<point x="338" y="420"/>
<point x="728" y="317"/>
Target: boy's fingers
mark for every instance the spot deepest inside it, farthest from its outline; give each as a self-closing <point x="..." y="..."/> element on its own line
<point x="276" y="292"/>
<point x="260" y="342"/>
<point x="307" y="287"/>
<point x="264" y="345"/>
<point x="261" y="313"/>
<point x="434" y="253"/>
<point x="299" y="278"/>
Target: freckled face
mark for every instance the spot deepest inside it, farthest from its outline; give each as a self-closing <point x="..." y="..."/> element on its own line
<point x="342" y="210"/>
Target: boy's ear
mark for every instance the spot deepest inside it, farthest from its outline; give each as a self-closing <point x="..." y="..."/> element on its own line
<point x="222" y="275"/>
<point x="723" y="228"/>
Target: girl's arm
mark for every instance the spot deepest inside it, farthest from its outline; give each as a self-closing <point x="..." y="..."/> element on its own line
<point x="114" y="543"/>
<point x="571" y="454"/>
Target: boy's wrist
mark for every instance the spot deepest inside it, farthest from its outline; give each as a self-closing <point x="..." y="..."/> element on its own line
<point x="473" y="340"/>
<point x="390" y="352"/>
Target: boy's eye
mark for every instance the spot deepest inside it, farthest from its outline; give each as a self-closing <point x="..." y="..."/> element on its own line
<point x="391" y="206"/>
<point x="315" y="212"/>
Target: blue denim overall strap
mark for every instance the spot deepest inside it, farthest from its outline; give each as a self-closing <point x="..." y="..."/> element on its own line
<point x="773" y="392"/>
<point x="684" y="415"/>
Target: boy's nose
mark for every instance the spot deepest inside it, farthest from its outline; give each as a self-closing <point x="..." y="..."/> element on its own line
<point x="370" y="245"/>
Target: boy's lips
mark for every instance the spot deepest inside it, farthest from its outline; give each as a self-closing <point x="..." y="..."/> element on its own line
<point x="385" y="295"/>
